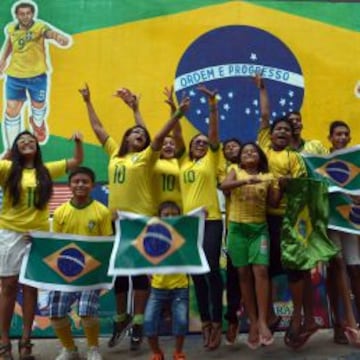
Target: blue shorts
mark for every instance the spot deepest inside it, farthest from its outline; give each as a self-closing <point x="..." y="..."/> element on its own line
<point x="60" y="302"/>
<point x="179" y="301"/>
<point x="36" y="86"/>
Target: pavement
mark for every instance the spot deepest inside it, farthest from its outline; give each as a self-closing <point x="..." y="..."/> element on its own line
<point x="319" y="347"/>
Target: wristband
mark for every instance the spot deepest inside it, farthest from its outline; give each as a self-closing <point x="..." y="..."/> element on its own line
<point x="178" y="113"/>
<point x="213" y="101"/>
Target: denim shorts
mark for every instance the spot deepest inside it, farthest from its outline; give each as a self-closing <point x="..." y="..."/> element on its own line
<point x="36" y="86"/>
<point x="179" y="304"/>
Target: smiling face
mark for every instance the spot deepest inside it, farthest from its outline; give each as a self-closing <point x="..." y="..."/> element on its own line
<point x="25" y="16"/>
<point x="340" y="137"/>
<point x="27" y="145"/>
<point x="81" y="186"/>
<point x="136" y="140"/>
<point x="249" y="157"/>
<point x="199" y="147"/>
<point x="231" y="151"/>
<point x="297" y="123"/>
<point x="168" y="148"/>
<point x="281" y="135"/>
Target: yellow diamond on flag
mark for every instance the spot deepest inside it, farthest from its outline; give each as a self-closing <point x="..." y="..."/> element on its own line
<point x="71" y="262"/>
<point x="303" y="225"/>
<point x="157" y="241"/>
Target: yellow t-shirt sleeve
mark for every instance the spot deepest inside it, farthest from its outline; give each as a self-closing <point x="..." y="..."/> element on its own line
<point x="263" y="138"/>
<point x="110" y="146"/>
<point x="56" y="168"/>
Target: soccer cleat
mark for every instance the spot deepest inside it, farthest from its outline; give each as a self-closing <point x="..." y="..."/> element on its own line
<point x="119" y="330"/>
<point x="136" y="337"/>
<point x="40" y="132"/>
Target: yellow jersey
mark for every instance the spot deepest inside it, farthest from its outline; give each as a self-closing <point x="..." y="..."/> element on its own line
<point x="165" y="180"/>
<point x="198" y="183"/>
<point x="130" y="179"/>
<point x="92" y="220"/>
<point x="28" y="57"/>
<point x="25" y="216"/>
<point x="281" y="163"/>
<point x="171" y="281"/>
<point x="248" y="203"/>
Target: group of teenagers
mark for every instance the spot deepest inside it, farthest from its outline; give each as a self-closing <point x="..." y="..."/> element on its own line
<point x="160" y="177"/>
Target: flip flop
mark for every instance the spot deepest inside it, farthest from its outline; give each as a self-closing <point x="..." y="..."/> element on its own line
<point x="253" y="345"/>
<point x="353" y="336"/>
<point x="306" y="334"/>
<point x="293" y="339"/>
<point x="266" y="341"/>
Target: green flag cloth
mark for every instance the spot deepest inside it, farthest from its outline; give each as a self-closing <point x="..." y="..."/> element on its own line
<point x="67" y="262"/>
<point x="341" y="169"/>
<point x="304" y="241"/>
<point x="344" y="213"/>
<point x="152" y="245"/>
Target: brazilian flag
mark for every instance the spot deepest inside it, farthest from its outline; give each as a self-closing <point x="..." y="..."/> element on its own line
<point x="67" y="262"/>
<point x="152" y="245"/>
<point x="304" y="241"/>
<point x="340" y="169"/>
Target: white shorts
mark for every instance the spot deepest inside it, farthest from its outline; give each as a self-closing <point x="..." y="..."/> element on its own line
<point x="349" y="245"/>
<point x="12" y="249"/>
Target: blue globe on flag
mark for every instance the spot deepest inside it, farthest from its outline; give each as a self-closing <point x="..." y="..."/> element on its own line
<point x="226" y="59"/>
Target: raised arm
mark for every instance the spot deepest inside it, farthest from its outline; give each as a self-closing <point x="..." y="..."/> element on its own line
<point x="264" y="101"/>
<point x="7" y="49"/>
<point x="59" y="38"/>
<point x="132" y="101"/>
<point x="156" y="144"/>
<point x="78" y="157"/>
<point x="213" y="130"/>
<point x="95" y="123"/>
<point x="177" y="131"/>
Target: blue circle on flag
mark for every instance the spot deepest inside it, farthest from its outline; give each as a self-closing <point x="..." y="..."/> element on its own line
<point x="226" y="59"/>
<point x="157" y="240"/>
<point x="338" y="171"/>
<point x="71" y="262"/>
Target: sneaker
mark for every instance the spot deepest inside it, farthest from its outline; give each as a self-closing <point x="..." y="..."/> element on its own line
<point x="119" y="330"/>
<point x="179" y="356"/>
<point x="136" y="337"/>
<point x="40" y="132"/>
<point x="93" y="354"/>
<point x="157" y="356"/>
<point x="232" y="333"/>
<point x="66" y="354"/>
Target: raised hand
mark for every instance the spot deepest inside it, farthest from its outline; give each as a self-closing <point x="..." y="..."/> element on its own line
<point x="77" y="136"/>
<point x="258" y="80"/>
<point x="169" y="94"/>
<point x="85" y="93"/>
<point x="128" y="98"/>
<point x="209" y="93"/>
<point x="184" y="104"/>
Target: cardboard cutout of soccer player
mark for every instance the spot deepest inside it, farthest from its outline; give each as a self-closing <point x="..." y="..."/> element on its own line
<point x="25" y="60"/>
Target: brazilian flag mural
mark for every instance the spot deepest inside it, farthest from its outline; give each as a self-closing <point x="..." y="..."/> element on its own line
<point x="305" y="49"/>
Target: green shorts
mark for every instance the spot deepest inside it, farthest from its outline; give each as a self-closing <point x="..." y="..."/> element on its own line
<point x="248" y="243"/>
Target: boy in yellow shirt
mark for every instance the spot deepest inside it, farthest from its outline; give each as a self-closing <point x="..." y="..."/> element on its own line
<point x="81" y="215"/>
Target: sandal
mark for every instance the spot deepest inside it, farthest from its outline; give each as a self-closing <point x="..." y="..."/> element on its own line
<point x="25" y="347"/>
<point x="5" y="351"/>
<point x="293" y="339"/>
<point x="352" y="335"/>
<point x="305" y="334"/>
<point x="215" y="338"/>
<point x="206" y="332"/>
<point x="339" y="335"/>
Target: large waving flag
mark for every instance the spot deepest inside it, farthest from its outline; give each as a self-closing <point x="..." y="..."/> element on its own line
<point x="150" y="245"/>
<point x="147" y="45"/>
<point x="304" y="241"/>
<point x="67" y="262"/>
<point x="340" y="169"/>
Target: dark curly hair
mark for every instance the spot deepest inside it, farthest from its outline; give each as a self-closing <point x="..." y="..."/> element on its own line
<point x="44" y="184"/>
